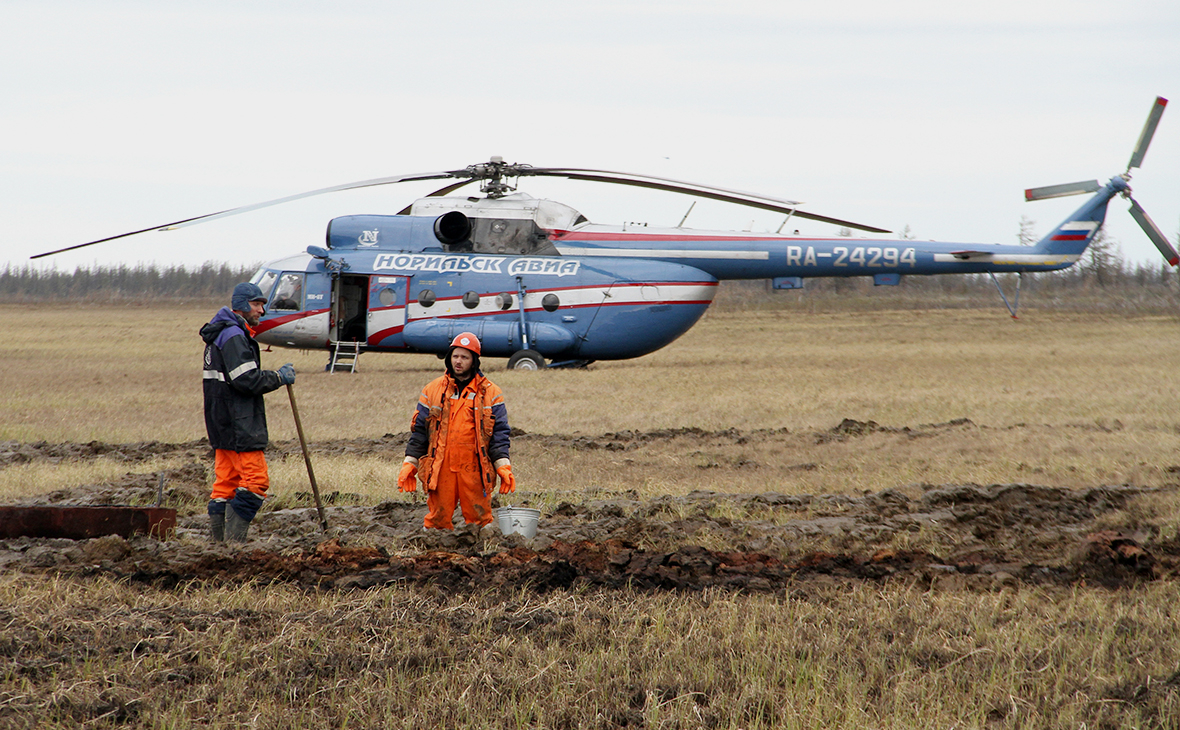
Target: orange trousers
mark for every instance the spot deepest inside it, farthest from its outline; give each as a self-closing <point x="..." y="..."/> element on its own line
<point x="233" y="469"/>
<point x="458" y="482"/>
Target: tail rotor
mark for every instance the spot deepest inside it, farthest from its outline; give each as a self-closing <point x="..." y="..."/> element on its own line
<point x="1119" y="184"/>
<point x="1153" y="232"/>
<point x="1061" y="191"/>
<point x="1145" y="222"/>
<point x="1153" y="120"/>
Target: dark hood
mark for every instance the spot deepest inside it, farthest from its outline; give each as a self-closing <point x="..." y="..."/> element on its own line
<point x="225" y="317"/>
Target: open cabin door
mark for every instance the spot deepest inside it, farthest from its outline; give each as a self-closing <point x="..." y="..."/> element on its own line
<point x="350" y="308"/>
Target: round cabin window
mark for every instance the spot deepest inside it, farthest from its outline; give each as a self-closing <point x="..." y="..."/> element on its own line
<point x="386" y="296"/>
<point x="550" y="303"/>
<point x="471" y="300"/>
<point x="426" y="297"/>
<point x="504" y="301"/>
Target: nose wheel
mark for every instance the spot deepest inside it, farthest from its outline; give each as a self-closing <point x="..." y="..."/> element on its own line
<point x="526" y="360"/>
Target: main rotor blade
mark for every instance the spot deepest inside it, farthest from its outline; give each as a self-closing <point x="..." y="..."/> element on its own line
<point x="334" y="189"/>
<point x="738" y="197"/>
<point x="1153" y="120"/>
<point x="439" y="193"/>
<point x="1060" y="191"/>
<point x="1154" y="233"/>
<point x="110" y="238"/>
<point x="256" y="206"/>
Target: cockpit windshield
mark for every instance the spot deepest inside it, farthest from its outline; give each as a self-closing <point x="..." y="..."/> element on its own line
<point x="265" y="279"/>
<point x="289" y="295"/>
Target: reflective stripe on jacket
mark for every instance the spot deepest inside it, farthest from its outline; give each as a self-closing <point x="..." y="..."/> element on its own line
<point x="430" y="426"/>
<point x="234" y="383"/>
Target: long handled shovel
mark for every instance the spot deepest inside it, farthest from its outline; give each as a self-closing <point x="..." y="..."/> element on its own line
<point x="315" y="490"/>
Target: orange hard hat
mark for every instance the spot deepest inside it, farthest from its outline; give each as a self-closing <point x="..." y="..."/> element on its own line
<point x="467" y="341"/>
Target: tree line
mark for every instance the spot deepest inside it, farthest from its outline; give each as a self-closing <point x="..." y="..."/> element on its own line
<point x="122" y="282"/>
<point x="1102" y="280"/>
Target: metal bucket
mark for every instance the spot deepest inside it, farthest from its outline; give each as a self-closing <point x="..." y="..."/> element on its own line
<point x="518" y="520"/>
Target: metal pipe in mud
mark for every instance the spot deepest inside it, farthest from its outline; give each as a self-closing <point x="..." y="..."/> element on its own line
<point x="315" y="490"/>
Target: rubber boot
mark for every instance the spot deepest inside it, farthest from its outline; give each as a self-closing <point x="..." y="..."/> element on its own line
<point x="217" y="509"/>
<point x="217" y="527"/>
<point x="236" y="526"/>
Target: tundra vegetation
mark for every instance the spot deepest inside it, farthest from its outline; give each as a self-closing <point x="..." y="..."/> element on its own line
<point x="883" y="458"/>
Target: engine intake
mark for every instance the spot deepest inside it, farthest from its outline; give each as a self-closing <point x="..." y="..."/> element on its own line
<point x="451" y="228"/>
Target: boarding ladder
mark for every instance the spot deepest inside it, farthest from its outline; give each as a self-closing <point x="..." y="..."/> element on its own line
<point x="345" y="351"/>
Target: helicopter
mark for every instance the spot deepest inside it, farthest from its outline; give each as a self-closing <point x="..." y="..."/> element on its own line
<point x="540" y="284"/>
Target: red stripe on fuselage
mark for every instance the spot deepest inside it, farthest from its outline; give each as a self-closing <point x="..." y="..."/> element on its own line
<point x="376" y="337"/>
<point x="618" y="284"/>
<point x="515" y="312"/>
<point x="277" y="321"/>
<point x="615" y="285"/>
<point x="623" y="236"/>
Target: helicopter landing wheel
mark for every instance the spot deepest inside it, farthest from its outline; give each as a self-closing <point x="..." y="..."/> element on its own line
<point x="526" y="360"/>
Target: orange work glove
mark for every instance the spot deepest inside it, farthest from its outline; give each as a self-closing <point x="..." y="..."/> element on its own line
<point x="507" y="481"/>
<point x="407" y="480"/>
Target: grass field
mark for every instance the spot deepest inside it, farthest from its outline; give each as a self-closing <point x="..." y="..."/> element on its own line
<point x="1061" y="400"/>
<point x="860" y="657"/>
<point x="1072" y="401"/>
<point x="126" y="374"/>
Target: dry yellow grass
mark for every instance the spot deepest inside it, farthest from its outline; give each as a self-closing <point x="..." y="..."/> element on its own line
<point x="1058" y="400"/>
<point x="20" y="481"/>
<point x="1062" y="400"/>
<point x="816" y="657"/>
<point x="132" y="373"/>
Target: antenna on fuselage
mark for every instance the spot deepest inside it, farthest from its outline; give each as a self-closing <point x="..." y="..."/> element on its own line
<point x="785" y="220"/>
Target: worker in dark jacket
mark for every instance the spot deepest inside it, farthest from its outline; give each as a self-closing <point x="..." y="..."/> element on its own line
<point x="235" y="414"/>
<point x="459" y="440"/>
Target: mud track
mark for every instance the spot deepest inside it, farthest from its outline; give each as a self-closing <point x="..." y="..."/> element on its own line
<point x="978" y="537"/>
<point x="392" y="445"/>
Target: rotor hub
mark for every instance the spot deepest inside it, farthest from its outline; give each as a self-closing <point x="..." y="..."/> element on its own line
<point x="493" y="174"/>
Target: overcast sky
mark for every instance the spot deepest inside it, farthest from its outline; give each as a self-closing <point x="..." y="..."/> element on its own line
<point x="122" y="114"/>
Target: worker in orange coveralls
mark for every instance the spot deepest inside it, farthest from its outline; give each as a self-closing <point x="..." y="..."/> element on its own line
<point x="459" y="441"/>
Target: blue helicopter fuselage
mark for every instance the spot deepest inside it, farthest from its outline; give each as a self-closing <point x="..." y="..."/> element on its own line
<point x="387" y="281"/>
<point x="526" y="274"/>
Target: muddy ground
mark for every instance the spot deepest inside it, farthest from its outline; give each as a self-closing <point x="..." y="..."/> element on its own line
<point x="954" y="536"/>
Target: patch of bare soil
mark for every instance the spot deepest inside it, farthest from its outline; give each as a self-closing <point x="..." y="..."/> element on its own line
<point x="961" y="536"/>
<point x="15" y="452"/>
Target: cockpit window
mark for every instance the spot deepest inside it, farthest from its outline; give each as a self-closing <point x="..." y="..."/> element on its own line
<point x="265" y="279"/>
<point x="289" y="294"/>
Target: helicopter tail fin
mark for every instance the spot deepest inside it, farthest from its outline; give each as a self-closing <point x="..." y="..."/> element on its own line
<point x="1073" y="235"/>
<point x="1076" y="232"/>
